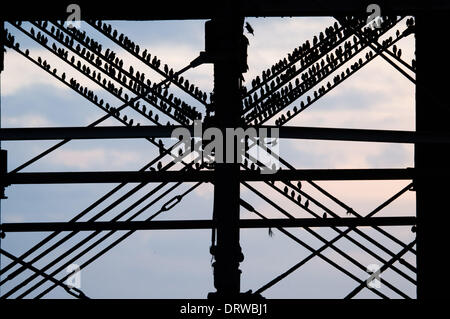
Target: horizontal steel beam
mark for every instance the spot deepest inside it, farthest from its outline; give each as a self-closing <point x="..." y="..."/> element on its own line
<point x="205" y="176"/>
<point x="291" y="132"/>
<point x="362" y="135"/>
<point x="205" y="9"/>
<point x="208" y="224"/>
<point x="100" y="132"/>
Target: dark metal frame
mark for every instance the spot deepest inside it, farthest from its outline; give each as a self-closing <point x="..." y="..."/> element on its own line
<point x="430" y="139"/>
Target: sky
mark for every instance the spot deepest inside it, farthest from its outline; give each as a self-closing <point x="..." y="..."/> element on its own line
<point x="177" y="264"/>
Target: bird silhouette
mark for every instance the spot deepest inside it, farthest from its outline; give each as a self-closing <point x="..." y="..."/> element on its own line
<point x="315" y="40"/>
<point x="249" y="28"/>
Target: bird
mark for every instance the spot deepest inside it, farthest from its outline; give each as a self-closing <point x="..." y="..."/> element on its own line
<point x="159" y="166"/>
<point x="324" y="215"/>
<point x="299" y="185"/>
<point x="161" y="147"/>
<point x="315" y="40"/>
<point x="249" y="28"/>
<point x="307" y="203"/>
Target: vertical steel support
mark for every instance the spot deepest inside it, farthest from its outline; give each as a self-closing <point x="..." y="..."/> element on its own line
<point x="226" y="40"/>
<point x="432" y="115"/>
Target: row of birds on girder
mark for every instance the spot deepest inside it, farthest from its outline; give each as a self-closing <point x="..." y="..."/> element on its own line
<point x="155" y="62"/>
<point x="177" y="103"/>
<point x="287" y="94"/>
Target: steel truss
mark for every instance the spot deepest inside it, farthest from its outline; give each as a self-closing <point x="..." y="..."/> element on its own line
<point x="271" y="95"/>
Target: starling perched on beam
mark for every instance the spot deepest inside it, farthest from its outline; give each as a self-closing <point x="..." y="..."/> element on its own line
<point x="249" y="28"/>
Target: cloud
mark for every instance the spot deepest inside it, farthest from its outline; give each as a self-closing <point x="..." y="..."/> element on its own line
<point x="19" y="73"/>
<point x="13" y="218"/>
<point x="204" y="191"/>
<point x="94" y="158"/>
<point x="27" y="120"/>
<point x="338" y="154"/>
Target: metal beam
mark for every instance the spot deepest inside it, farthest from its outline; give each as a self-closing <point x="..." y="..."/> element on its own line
<point x="431" y="193"/>
<point x="205" y="9"/>
<point x="208" y="224"/>
<point x="100" y="132"/>
<point x="291" y="132"/>
<point x="208" y="176"/>
<point x="362" y="135"/>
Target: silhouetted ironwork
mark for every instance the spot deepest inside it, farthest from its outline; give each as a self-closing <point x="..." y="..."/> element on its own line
<point x="305" y="74"/>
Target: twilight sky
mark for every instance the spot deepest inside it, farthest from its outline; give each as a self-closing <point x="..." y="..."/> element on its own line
<point x="177" y="264"/>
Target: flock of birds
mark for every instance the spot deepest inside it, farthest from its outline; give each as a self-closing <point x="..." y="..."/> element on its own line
<point x="154" y="62"/>
<point x="277" y="87"/>
<point x="91" y="53"/>
<point x="80" y="66"/>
